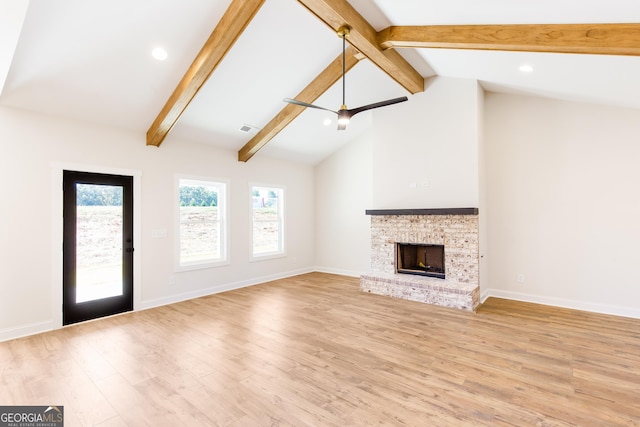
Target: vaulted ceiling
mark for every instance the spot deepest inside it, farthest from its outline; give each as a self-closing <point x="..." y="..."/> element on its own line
<point x="232" y="62"/>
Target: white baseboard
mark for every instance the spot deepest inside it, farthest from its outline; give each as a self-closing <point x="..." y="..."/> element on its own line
<point x="26" y="330"/>
<point x="564" y="303"/>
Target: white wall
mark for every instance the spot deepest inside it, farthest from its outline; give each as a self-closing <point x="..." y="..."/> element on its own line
<point x="426" y="149"/>
<point x="563" y="203"/>
<point x="32" y="143"/>
<point x="343" y="193"/>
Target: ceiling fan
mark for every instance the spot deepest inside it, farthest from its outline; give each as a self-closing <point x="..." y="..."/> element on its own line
<point x="345" y="114"/>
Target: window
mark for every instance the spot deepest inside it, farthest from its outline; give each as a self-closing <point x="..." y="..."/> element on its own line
<point x="202" y="223"/>
<point x="267" y="231"/>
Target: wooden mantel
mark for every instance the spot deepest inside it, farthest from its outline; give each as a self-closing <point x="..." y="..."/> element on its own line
<point x="441" y="211"/>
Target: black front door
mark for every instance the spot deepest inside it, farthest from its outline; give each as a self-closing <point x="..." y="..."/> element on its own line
<point x="98" y="245"/>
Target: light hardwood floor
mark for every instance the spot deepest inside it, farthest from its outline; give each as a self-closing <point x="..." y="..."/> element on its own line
<point x="313" y="350"/>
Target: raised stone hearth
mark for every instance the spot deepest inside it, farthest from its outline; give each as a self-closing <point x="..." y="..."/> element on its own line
<point x="456" y="229"/>
<point x="423" y="289"/>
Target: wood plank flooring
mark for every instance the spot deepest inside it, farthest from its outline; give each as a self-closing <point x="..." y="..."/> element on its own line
<point x="314" y="350"/>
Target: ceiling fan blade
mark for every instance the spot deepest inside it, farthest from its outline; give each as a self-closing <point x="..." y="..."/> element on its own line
<point x="355" y="111"/>
<point x="304" y="104"/>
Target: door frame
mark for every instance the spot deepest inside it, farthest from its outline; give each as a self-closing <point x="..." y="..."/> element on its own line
<point x="103" y="306"/>
<point x="57" y="231"/>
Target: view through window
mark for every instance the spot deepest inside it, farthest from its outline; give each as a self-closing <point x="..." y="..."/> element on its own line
<point x="267" y="217"/>
<point x="202" y="222"/>
<point x="99" y="220"/>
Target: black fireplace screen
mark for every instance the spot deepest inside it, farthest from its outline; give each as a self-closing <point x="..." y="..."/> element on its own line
<point x="424" y="260"/>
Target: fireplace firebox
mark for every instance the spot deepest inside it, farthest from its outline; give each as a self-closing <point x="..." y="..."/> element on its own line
<point x="420" y="259"/>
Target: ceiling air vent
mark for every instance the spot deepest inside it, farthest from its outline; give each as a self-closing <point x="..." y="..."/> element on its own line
<point x="247" y="128"/>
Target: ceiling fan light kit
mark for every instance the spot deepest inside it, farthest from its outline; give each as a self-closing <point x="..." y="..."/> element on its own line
<point x="345" y="114"/>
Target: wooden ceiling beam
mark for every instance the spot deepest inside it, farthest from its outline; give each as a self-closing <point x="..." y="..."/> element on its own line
<point x="601" y="39"/>
<point x="337" y="13"/>
<point x="231" y="26"/>
<point x="327" y="78"/>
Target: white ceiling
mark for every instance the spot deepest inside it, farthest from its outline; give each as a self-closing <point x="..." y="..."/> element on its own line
<point x="90" y="60"/>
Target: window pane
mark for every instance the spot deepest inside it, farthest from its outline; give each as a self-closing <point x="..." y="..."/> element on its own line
<point x="266" y="203"/>
<point x="99" y="225"/>
<point x="201" y="222"/>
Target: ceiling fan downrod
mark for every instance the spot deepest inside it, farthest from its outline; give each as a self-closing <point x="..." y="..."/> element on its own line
<point x="343" y="33"/>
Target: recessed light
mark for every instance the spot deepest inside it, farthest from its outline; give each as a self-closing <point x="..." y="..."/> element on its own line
<point x="526" y="68"/>
<point x="159" y="53"/>
<point x="326" y="122"/>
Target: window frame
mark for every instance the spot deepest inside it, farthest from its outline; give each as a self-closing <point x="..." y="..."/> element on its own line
<point x="281" y="252"/>
<point x="223" y="215"/>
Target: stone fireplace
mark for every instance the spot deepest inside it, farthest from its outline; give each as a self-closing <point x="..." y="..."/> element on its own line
<point x="425" y="255"/>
